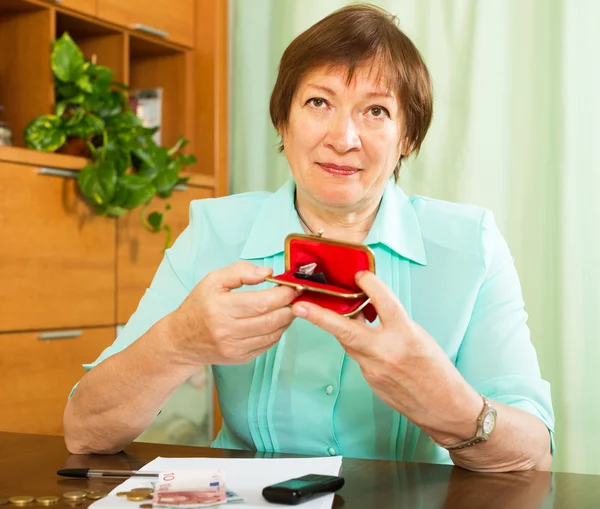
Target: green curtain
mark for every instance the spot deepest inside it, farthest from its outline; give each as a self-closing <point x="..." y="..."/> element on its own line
<point x="516" y="129"/>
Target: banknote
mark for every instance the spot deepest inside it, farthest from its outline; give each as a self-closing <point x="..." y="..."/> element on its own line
<point x="191" y="489"/>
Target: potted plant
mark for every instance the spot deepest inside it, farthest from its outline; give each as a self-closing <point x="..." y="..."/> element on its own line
<point x="93" y="118"/>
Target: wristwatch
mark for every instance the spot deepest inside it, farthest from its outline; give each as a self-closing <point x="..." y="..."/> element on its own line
<point x="486" y="423"/>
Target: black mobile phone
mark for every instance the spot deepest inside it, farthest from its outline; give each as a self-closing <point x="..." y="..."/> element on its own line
<point x="300" y="489"/>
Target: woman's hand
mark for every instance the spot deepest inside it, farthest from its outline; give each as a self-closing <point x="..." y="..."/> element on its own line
<point x="217" y="326"/>
<point x="403" y="364"/>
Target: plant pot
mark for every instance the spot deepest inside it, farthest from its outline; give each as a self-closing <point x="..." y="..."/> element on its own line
<point x="75" y="147"/>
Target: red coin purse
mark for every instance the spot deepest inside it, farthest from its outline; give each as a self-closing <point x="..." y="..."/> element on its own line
<point x="325" y="270"/>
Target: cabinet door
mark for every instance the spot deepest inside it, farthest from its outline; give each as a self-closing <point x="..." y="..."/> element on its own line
<point x="38" y="372"/>
<point x="171" y="19"/>
<point x="84" y="6"/>
<point x="57" y="259"/>
<point x="140" y="252"/>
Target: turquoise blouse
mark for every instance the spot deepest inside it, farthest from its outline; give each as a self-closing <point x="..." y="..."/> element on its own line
<point x="447" y="263"/>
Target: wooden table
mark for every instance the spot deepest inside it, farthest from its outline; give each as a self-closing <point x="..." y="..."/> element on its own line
<point x="28" y="465"/>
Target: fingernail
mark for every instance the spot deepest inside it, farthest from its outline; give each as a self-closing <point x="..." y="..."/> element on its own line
<point x="263" y="271"/>
<point x="300" y="311"/>
<point x="359" y="274"/>
<point x="299" y="289"/>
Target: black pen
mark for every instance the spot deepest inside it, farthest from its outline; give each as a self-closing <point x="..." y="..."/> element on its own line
<point x="86" y="473"/>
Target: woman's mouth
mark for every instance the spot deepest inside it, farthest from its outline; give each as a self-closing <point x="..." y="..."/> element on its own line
<point x="339" y="170"/>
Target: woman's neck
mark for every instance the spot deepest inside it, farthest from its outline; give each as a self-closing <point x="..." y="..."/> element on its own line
<point x="340" y="224"/>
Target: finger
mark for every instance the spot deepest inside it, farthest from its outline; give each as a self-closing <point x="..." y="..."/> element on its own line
<point x="359" y="317"/>
<point x="389" y="308"/>
<point x="253" y="347"/>
<point x="239" y="274"/>
<point x="348" y="332"/>
<point x="266" y="342"/>
<point x="259" y="302"/>
<point x="263" y="324"/>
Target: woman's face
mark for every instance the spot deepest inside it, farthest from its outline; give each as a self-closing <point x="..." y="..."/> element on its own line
<point x="343" y="141"/>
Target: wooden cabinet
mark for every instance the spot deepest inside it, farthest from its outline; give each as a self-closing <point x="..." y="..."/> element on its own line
<point x="84" y="6"/>
<point x="139" y="252"/>
<point x="62" y="267"/>
<point x="57" y="260"/>
<point x="38" y="372"/>
<point x="168" y="19"/>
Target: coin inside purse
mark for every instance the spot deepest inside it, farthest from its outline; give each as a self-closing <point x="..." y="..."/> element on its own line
<point x="326" y="270"/>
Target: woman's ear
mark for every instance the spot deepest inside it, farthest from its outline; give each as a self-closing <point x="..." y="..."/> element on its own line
<point x="406" y="147"/>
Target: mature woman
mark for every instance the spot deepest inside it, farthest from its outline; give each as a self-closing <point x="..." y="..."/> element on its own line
<point x="447" y="373"/>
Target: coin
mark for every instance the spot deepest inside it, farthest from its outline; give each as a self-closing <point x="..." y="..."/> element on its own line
<point x="146" y="506"/>
<point x="74" y="495"/>
<point x="96" y="494"/>
<point x="149" y="490"/>
<point x="47" y="500"/>
<point x="122" y="493"/>
<point x="136" y="497"/>
<point x="21" y="500"/>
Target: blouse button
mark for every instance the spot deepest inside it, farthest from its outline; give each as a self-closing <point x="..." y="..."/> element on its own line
<point x="329" y="389"/>
<point x="331" y="451"/>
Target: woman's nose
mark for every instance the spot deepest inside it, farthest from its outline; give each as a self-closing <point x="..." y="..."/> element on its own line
<point x="343" y="134"/>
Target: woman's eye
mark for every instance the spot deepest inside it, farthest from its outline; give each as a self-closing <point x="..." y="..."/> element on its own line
<point x="379" y="111"/>
<point x="317" y="102"/>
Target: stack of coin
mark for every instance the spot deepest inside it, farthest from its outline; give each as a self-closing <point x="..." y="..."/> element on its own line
<point x="47" y="500"/>
<point x="137" y="494"/>
<point x="95" y="494"/>
<point x="21" y="500"/>
<point x="75" y="496"/>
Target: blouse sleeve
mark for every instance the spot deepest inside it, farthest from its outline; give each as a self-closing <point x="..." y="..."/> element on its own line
<point x="496" y="356"/>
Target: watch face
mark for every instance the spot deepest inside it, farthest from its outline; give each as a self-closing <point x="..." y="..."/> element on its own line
<point x="489" y="423"/>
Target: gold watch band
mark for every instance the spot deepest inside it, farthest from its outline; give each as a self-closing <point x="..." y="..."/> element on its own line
<point x="480" y="436"/>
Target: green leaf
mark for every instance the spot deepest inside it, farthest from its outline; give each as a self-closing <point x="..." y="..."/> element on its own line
<point x="120" y="156"/>
<point x="86" y="127"/>
<point x="181" y="142"/>
<point x="74" y="116"/>
<point x="120" y="196"/>
<point x="84" y="83"/>
<point x="98" y="182"/>
<point x="45" y="133"/>
<point x="115" y="211"/>
<point x="67" y="91"/>
<point x="67" y="60"/>
<point x="112" y="104"/>
<point x="101" y="75"/>
<point x="155" y="219"/>
<point x="61" y="106"/>
<point x="165" y="182"/>
<point x="139" y="190"/>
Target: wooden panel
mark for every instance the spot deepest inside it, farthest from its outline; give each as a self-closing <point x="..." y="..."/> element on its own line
<point x="26" y="83"/>
<point x="140" y="252"/>
<point x="100" y="44"/>
<point x="174" y="17"/>
<point x="33" y="157"/>
<point x="57" y="260"/>
<point x="211" y="60"/>
<point x="84" y="6"/>
<point x="38" y="375"/>
<point x="169" y="73"/>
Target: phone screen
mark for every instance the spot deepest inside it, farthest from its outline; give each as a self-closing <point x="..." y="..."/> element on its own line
<point x="293" y="484"/>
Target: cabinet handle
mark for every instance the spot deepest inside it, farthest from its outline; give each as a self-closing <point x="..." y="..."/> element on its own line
<point x="150" y="30"/>
<point x="63" y="334"/>
<point x="56" y="172"/>
<point x="181" y="187"/>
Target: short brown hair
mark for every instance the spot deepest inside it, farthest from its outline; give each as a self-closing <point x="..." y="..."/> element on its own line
<point x="348" y="37"/>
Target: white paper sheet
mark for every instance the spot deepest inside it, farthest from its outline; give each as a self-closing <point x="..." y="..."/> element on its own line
<point x="246" y="476"/>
